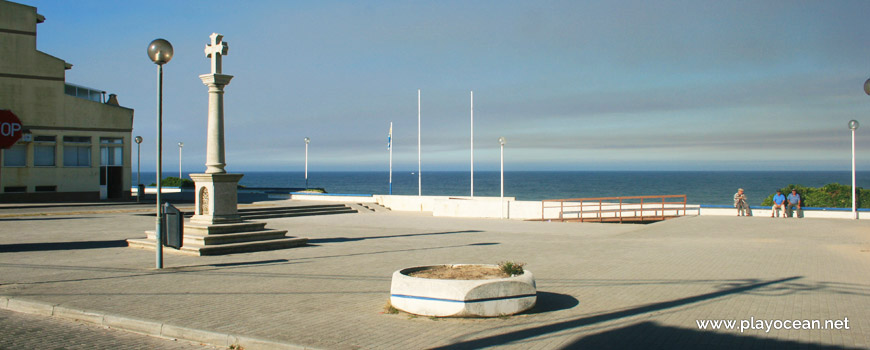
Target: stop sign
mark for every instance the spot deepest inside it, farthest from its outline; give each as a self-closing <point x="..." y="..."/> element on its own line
<point x="10" y="128"/>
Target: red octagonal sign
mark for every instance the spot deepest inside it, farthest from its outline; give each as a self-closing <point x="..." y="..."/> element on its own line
<point x="10" y="128"/>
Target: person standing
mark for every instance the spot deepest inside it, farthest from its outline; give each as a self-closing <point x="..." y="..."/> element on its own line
<point x="794" y="200"/>
<point x="778" y="204"/>
<point x="740" y="203"/>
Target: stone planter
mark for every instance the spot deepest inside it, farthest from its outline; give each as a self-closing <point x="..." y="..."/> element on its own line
<point x="462" y="298"/>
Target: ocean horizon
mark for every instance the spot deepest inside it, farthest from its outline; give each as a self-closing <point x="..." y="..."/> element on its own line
<point x="700" y="187"/>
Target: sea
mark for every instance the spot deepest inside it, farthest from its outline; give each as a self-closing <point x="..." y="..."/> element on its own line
<point x="700" y="187"/>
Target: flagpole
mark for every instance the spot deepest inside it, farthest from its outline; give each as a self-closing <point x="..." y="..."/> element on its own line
<point x="472" y="144"/>
<point x="391" y="157"/>
<point x="419" y="161"/>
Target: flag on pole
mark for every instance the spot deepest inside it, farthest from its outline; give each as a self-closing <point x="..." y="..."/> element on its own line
<point x="390" y="137"/>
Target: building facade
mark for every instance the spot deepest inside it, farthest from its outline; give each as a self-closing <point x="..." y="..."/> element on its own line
<point x="76" y="143"/>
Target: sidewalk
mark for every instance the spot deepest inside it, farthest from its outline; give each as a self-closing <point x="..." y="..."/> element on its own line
<point x="599" y="285"/>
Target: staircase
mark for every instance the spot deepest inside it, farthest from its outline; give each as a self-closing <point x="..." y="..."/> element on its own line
<point x="245" y="236"/>
<point x="293" y="211"/>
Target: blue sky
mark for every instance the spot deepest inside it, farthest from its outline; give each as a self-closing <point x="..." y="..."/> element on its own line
<point x="572" y="85"/>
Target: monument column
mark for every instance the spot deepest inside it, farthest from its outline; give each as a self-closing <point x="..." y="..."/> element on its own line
<point x="216" y="191"/>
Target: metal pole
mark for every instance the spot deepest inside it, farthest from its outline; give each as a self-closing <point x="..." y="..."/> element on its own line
<point x="158" y="234"/>
<point x="502" y="179"/>
<point x="306" y="165"/>
<point x="854" y="199"/>
<point x="179" y="160"/>
<point x="472" y="144"/>
<point x="391" y="158"/>
<point x="139" y="172"/>
<point x="419" y="159"/>
<point x="502" y="171"/>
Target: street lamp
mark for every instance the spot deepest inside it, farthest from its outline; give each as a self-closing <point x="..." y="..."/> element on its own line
<point x="501" y="142"/>
<point x="853" y="125"/>
<point x="139" y="191"/>
<point x="307" y="140"/>
<point x="180" y="145"/>
<point x="160" y="52"/>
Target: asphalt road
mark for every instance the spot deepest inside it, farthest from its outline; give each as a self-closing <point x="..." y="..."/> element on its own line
<point x="20" y="331"/>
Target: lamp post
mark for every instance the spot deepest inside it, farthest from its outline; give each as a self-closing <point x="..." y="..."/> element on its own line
<point x="853" y="125"/>
<point x="139" y="191"/>
<point x="501" y="142"/>
<point x="307" y="140"/>
<point x="160" y="52"/>
<point x="472" y="144"/>
<point x="180" y="146"/>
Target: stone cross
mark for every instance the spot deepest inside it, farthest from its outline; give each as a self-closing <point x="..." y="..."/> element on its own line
<point x="214" y="51"/>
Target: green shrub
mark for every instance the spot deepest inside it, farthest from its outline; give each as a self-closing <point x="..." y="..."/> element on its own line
<point x="175" y="182"/>
<point x="511" y="268"/>
<point x="831" y="195"/>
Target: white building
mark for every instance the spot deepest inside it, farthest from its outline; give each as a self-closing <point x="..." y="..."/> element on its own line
<point x="76" y="145"/>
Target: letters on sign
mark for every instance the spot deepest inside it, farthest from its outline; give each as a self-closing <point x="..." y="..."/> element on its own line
<point x="9" y="129"/>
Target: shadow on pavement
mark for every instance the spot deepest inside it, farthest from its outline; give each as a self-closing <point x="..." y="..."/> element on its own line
<point x="651" y="335"/>
<point x="549" y="302"/>
<point x="40" y="218"/>
<point x="533" y="332"/>
<point x="30" y="247"/>
<point x="354" y="239"/>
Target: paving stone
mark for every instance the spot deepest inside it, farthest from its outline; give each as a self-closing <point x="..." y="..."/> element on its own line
<point x="629" y="285"/>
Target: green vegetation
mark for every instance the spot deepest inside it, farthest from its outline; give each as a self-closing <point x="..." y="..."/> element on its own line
<point x="389" y="309"/>
<point x="511" y="268"/>
<point x="828" y="196"/>
<point x="313" y="190"/>
<point x="175" y="182"/>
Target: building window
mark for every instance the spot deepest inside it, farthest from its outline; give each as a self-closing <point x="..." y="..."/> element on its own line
<point x="46" y="189"/>
<point x="15" y="189"/>
<point x="43" y="150"/>
<point x="77" y="151"/>
<point x="16" y="156"/>
<point x="111" y="151"/>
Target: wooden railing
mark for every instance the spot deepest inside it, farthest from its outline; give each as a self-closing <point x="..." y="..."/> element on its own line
<point x="615" y="209"/>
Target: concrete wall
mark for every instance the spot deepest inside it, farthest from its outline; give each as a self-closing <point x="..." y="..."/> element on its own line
<point x="827" y="213"/>
<point x="509" y="208"/>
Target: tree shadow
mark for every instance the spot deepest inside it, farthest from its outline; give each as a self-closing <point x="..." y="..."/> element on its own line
<point x="532" y="332"/>
<point x="30" y="247"/>
<point x="651" y="335"/>
<point x="354" y="239"/>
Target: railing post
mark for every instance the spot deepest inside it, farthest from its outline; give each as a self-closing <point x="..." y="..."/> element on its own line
<point x="561" y="211"/>
<point x="620" y="210"/>
<point x="641" y="209"/>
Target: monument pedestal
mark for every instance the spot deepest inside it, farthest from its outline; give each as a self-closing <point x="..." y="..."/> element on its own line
<point x="216" y="227"/>
<point x="216" y="198"/>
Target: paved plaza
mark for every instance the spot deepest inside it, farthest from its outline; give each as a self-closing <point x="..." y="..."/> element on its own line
<point x="599" y="285"/>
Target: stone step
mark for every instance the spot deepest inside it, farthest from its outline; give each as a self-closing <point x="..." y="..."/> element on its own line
<point x="294" y="208"/>
<point x="217" y="229"/>
<point x="242" y="247"/>
<point x="288" y="215"/>
<point x="294" y="211"/>
<point x="226" y="238"/>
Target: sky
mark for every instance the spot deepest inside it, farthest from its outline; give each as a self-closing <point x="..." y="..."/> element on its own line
<point x="572" y="85"/>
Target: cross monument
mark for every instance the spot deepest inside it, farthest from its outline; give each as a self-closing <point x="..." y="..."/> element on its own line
<point x="216" y="191"/>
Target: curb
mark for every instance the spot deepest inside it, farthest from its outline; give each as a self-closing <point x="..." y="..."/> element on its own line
<point x="142" y="326"/>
